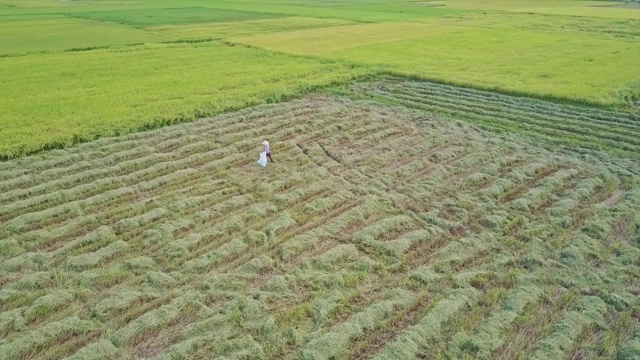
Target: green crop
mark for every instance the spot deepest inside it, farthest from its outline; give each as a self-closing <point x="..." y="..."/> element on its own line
<point x="489" y="213"/>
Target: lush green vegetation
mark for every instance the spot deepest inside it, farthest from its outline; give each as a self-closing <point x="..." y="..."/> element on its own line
<point x="617" y="13"/>
<point x="403" y="218"/>
<point x="143" y="86"/>
<point x="126" y="72"/>
<point x="190" y="15"/>
<point x="226" y="30"/>
<point x="581" y="68"/>
<point x="63" y="34"/>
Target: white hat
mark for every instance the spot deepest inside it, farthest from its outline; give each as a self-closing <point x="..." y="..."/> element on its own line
<point x="265" y="142"/>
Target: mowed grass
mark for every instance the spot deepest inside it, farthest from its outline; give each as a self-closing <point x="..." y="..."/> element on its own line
<point x="571" y="126"/>
<point x="141" y="87"/>
<point x="379" y="232"/>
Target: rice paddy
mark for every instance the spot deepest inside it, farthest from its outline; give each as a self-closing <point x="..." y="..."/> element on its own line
<point x="452" y="180"/>
<point x="380" y="232"/>
<point x="583" y="69"/>
<point x="142" y="87"/>
<point x="71" y="71"/>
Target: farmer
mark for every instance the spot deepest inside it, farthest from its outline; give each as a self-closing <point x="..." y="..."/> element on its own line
<point x="266" y="149"/>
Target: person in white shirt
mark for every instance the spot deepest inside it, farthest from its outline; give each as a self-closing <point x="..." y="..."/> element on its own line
<point x="266" y="149"/>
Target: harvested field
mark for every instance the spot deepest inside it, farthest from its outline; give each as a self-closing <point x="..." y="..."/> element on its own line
<point x="381" y="231"/>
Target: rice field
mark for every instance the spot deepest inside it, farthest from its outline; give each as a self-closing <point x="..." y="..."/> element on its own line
<point x="564" y="65"/>
<point x="453" y="179"/>
<point x="567" y="125"/>
<point x="381" y="232"/>
<point x="73" y="71"/>
<point x="142" y="87"/>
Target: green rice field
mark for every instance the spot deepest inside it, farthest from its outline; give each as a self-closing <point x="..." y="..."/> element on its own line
<point x="70" y="71"/>
<point x="453" y="179"/>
